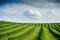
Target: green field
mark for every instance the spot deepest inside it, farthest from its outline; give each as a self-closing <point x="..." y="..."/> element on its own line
<point x="29" y="31"/>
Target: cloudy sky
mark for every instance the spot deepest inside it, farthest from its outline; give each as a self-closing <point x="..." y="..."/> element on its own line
<point x="30" y="11"/>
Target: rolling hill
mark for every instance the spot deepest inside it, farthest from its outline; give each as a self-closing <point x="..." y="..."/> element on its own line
<point x="29" y="31"/>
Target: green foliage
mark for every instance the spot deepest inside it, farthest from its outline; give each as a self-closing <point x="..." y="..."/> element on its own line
<point x="29" y="31"/>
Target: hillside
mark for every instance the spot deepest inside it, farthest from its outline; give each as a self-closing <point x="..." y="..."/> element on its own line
<point x="29" y="31"/>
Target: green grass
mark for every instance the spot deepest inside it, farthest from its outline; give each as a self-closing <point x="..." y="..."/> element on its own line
<point x="29" y="31"/>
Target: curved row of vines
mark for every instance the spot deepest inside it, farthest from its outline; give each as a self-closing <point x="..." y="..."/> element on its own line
<point x="29" y="31"/>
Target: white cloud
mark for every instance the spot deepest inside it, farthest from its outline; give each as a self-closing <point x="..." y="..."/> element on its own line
<point x="37" y="12"/>
<point x="34" y="12"/>
<point x="15" y="12"/>
<point x="52" y="12"/>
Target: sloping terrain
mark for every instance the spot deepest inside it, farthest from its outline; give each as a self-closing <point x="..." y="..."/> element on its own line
<point x="29" y="31"/>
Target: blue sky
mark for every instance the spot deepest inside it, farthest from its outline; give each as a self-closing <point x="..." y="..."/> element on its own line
<point x="30" y="11"/>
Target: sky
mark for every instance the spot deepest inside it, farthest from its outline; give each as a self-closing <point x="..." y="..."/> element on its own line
<point x="30" y="11"/>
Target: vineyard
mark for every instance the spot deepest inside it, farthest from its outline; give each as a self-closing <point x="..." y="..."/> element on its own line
<point x="29" y="31"/>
